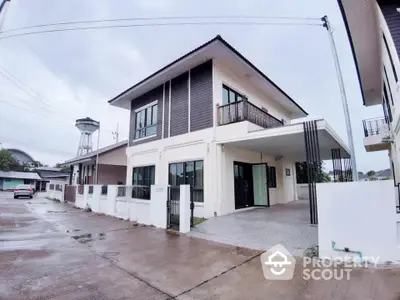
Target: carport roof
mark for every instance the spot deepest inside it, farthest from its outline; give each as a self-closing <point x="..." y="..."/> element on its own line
<point x="288" y="141"/>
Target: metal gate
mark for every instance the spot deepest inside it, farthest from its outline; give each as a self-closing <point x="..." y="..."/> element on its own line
<point x="173" y="207"/>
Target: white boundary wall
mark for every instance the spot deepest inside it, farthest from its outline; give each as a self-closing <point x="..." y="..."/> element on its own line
<point x="360" y="216"/>
<point x="55" y="194"/>
<point x="148" y="212"/>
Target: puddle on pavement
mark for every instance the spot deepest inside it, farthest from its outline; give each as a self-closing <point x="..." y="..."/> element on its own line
<point x="88" y="237"/>
<point x="56" y="211"/>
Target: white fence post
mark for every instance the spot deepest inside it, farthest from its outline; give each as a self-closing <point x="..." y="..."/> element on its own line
<point x="96" y="198"/>
<point x="184" y="209"/>
<point x="158" y="205"/>
<point x="85" y="195"/>
<point x="111" y="199"/>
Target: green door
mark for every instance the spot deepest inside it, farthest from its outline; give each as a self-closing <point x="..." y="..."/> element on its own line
<point x="260" y="186"/>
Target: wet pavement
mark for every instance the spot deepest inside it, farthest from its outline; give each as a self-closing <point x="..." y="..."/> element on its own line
<point x="50" y="250"/>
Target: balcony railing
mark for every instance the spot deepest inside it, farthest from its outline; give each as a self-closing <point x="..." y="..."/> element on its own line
<point x="375" y="126"/>
<point x="244" y="110"/>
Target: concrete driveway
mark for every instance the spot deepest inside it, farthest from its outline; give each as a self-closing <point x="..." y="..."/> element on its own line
<point x="263" y="228"/>
<point x="50" y="250"/>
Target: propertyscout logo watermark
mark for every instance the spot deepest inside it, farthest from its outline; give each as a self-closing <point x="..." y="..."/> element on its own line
<point x="278" y="264"/>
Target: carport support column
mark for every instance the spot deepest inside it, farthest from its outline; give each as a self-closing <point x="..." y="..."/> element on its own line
<point x="184" y="209"/>
<point x="158" y="205"/>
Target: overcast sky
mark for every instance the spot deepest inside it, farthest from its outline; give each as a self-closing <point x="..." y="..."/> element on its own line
<point x="76" y="72"/>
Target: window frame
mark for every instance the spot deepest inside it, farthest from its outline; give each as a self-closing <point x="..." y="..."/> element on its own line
<point x="153" y="116"/>
<point x="195" y="186"/>
<point x="396" y="78"/>
<point x="235" y="93"/>
<point x="142" y="191"/>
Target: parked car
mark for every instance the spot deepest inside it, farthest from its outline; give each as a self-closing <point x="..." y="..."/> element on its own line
<point x="23" y="190"/>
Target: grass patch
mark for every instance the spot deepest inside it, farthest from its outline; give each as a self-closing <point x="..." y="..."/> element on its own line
<point x="197" y="221"/>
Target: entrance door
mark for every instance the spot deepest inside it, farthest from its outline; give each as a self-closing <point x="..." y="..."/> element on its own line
<point x="243" y="185"/>
<point x="260" y="185"/>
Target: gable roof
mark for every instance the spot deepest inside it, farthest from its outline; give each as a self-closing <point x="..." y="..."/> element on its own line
<point x="174" y="69"/>
<point x="93" y="154"/>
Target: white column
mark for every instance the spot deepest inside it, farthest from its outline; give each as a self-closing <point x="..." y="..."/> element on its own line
<point x="184" y="209"/>
<point x="158" y="205"/>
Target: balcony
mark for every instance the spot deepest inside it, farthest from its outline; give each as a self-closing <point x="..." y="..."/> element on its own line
<point x="246" y="111"/>
<point x="377" y="134"/>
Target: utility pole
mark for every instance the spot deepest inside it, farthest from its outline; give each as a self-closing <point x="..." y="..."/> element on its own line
<point x="329" y="29"/>
<point x="116" y="134"/>
<point x="3" y="7"/>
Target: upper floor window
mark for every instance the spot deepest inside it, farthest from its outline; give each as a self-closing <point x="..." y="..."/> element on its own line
<point x="146" y="120"/>
<point x="390" y="57"/>
<point x="229" y="95"/>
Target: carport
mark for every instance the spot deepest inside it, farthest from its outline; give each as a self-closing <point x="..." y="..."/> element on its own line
<point x="310" y="142"/>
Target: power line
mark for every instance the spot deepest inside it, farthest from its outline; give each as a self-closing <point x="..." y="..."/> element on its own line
<point x="36" y="95"/>
<point x="156" y="18"/>
<point x="37" y="113"/>
<point x="65" y="120"/>
<point x="41" y="148"/>
<point x="155" y="25"/>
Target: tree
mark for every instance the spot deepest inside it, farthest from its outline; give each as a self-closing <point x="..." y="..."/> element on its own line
<point x="302" y="173"/>
<point x="371" y="173"/>
<point x="64" y="168"/>
<point x="6" y="160"/>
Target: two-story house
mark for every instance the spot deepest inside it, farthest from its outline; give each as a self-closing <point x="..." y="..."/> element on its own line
<point x="213" y="120"/>
<point x="373" y="28"/>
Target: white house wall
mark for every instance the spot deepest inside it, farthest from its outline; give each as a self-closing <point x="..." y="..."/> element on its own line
<point x="394" y="87"/>
<point x="187" y="147"/>
<point x="241" y="84"/>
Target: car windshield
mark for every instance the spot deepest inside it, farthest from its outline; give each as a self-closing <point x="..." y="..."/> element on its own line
<point x="23" y="187"/>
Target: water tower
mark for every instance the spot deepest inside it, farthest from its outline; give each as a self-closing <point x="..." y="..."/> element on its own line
<point x="86" y="126"/>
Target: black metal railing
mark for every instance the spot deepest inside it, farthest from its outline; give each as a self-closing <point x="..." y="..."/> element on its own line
<point x="245" y="110"/>
<point x="104" y="189"/>
<point x="375" y="126"/>
<point x="137" y="191"/>
<point x="141" y="192"/>
<point x="80" y="189"/>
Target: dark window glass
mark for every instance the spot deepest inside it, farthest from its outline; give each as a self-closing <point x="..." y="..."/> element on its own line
<point x="146" y="122"/>
<point x="225" y="96"/>
<point x="230" y="96"/>
<point x="188" y="173"/>
<point x="390" y="90"/>
<point x="390" y="57"/>
<point x="272" y="177"/>
<point x="386" y="107"/>
<point x="142" y="179"/>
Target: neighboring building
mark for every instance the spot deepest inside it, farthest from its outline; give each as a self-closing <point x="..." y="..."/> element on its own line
<point x="51" y="175"/>
<point x="111" y="164"/>
<point x="211" y="119"/>
<point x="9" y="180"/>
<point x="374" y="33"/>
<point x="21" y="157"/>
